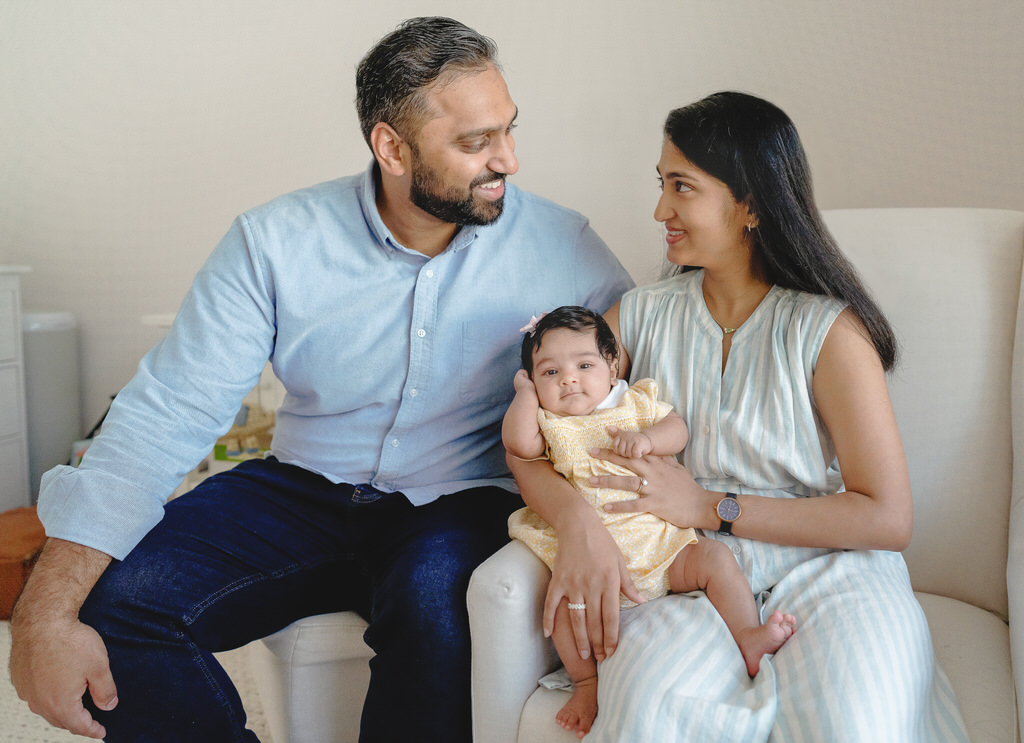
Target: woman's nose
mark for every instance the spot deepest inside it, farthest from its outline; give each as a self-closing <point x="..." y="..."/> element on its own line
<point x="662" y="212"/>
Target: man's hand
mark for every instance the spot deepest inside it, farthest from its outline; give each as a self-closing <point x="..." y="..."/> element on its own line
<point x="53" y="663"/>
<point x="55" y="658"/>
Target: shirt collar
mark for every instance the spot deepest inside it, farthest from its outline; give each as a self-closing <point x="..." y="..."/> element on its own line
<point x="615" y="396"/>
<point x="463" y="238"/>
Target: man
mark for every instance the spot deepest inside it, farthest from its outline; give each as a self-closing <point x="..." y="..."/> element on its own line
<point x="389" y="303"/>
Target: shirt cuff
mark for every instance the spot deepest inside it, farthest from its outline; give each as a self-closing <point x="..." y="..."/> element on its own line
<point x="96" y="509"/>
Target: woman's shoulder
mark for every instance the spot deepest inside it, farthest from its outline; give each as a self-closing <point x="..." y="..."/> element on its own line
<point x="672" y="288"/>
<point x="808" y="305"/>
<point x="657" y="307"/>
<point x="667" y="285"/>
<point x="802" y="320"/>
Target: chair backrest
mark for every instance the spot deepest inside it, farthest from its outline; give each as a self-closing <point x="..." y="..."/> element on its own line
<point x="949" y="280"/>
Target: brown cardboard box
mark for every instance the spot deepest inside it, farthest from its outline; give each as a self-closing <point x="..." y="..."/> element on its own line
<point x="21" y="540"/>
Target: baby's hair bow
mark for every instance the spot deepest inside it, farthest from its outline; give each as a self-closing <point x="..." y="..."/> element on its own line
<point x="531" y="327"/>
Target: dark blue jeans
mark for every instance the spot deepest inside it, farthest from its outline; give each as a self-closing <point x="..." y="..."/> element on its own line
<point x="252" y="550"/>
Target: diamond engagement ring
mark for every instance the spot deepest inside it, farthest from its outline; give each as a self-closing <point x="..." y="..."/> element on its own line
<point x="577" y="607"/>
<point x="642" y="485"/>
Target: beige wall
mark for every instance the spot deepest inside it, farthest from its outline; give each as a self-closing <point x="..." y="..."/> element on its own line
<point x="133" y="131"/>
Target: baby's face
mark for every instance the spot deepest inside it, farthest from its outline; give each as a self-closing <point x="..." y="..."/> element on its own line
<point x="571" y="376"/>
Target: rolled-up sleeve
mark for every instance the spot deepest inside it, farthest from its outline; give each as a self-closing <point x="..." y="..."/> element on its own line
<point x="184" y="395"/>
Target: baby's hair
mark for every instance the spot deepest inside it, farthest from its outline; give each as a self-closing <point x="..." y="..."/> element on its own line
<point x="570" y="317"/>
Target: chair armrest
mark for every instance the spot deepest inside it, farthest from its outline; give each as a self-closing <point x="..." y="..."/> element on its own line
<point x="1015" y="595"/>
<point x="510" y="652"/>
<point x="1015" y="539"/>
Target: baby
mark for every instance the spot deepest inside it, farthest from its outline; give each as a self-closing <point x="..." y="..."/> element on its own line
<point x="568" y="401"/>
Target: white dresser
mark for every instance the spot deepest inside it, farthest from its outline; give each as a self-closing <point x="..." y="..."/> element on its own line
<point x="14" y="485"/>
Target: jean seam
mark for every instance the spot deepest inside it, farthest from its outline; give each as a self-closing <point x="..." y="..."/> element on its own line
<point x="197" y="610"/>
<point x="218" y="690"/>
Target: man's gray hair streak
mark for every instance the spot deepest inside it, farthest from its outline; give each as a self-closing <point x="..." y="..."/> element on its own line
<point x="392" y="78"/>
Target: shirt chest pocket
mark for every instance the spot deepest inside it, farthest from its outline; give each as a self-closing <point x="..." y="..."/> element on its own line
<point x="490" y="358"/>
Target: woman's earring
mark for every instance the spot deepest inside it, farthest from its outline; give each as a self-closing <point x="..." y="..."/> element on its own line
<point x="748" y="226"/>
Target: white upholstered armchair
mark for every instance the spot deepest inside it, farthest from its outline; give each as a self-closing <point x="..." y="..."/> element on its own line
<point x="950" y="281"/>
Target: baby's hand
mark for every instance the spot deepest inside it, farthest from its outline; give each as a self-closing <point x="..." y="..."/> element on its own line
<point x="632" y="444"/>
<point x="522" y="382"/>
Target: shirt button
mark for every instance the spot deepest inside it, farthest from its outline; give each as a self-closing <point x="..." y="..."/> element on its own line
<point x="413" y="393"/>
<point x="394" y="442"/>
<point x="430" y="274"/>
<point x="736" y="548"/>
<point x="421" y="332"/>
<point x="707" y="430"/>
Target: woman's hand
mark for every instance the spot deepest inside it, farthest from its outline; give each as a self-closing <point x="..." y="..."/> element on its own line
<point x="670" y="492"/>
<point x="589" y="569"/>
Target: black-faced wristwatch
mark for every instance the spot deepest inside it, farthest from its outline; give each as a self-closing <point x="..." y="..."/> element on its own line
<point x="728" y="510"/>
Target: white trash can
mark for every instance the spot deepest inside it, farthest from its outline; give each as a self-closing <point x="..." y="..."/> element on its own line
<point x="53" y="399"/>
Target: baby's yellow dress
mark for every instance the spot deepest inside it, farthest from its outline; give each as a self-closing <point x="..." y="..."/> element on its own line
<point x="649" y="543"/>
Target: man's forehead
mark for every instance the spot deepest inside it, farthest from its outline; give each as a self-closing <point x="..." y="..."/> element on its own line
<point x="471" y="101"/>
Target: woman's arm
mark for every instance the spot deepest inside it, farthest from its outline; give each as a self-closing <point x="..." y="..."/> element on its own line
<point x="520" y="431"/>
<point x="612" y="318"/>
<point x="875" y="511"/>
<point x="589" y="567"/>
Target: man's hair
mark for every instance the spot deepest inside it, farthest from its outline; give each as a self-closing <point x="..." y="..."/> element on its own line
<point x="570" y="317"/>
<point x="392" y="79"/>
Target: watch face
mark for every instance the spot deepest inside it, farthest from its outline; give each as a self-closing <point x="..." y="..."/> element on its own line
<point x="728" y="509"/>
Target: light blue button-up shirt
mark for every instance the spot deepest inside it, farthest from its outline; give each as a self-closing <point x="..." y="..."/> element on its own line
<point x="397" y="367"/>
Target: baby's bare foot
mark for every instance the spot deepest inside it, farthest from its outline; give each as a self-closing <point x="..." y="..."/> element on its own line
<point x="579" y="712"/>
<point x="766" y="639"/>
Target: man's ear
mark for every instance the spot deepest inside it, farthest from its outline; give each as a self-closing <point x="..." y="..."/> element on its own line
<point x="390" y="149"/>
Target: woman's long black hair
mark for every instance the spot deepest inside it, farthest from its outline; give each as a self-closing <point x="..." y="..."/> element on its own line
<point x="753" y="147"/>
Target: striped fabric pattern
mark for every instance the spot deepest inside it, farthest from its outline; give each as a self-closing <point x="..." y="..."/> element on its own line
<point x="860" y="666"/>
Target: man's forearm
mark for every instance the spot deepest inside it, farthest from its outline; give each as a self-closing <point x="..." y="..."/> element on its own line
<point x="60" y="582"/>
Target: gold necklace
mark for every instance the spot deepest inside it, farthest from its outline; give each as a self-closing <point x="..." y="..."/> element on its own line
<point x="727" y="330"/>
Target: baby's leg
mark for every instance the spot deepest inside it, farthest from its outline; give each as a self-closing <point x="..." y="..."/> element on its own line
<point x="710" y="567"/>
<point x="579" y="712"/>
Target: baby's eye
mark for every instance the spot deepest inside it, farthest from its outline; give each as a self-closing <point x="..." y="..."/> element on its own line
<point x="549" y="372"/>
<point x="586" y="365"/>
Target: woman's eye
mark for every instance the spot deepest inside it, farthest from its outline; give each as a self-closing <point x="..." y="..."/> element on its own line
<point x="682" y="187"/>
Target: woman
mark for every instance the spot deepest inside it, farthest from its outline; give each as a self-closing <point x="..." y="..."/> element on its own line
<point x="771" y="350"/>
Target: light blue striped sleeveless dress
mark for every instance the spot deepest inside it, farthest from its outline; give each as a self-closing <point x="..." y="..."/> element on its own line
<point x="860" y="666"/>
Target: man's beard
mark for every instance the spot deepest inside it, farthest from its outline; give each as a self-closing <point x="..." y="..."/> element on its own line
<point x="430" y="194"/>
